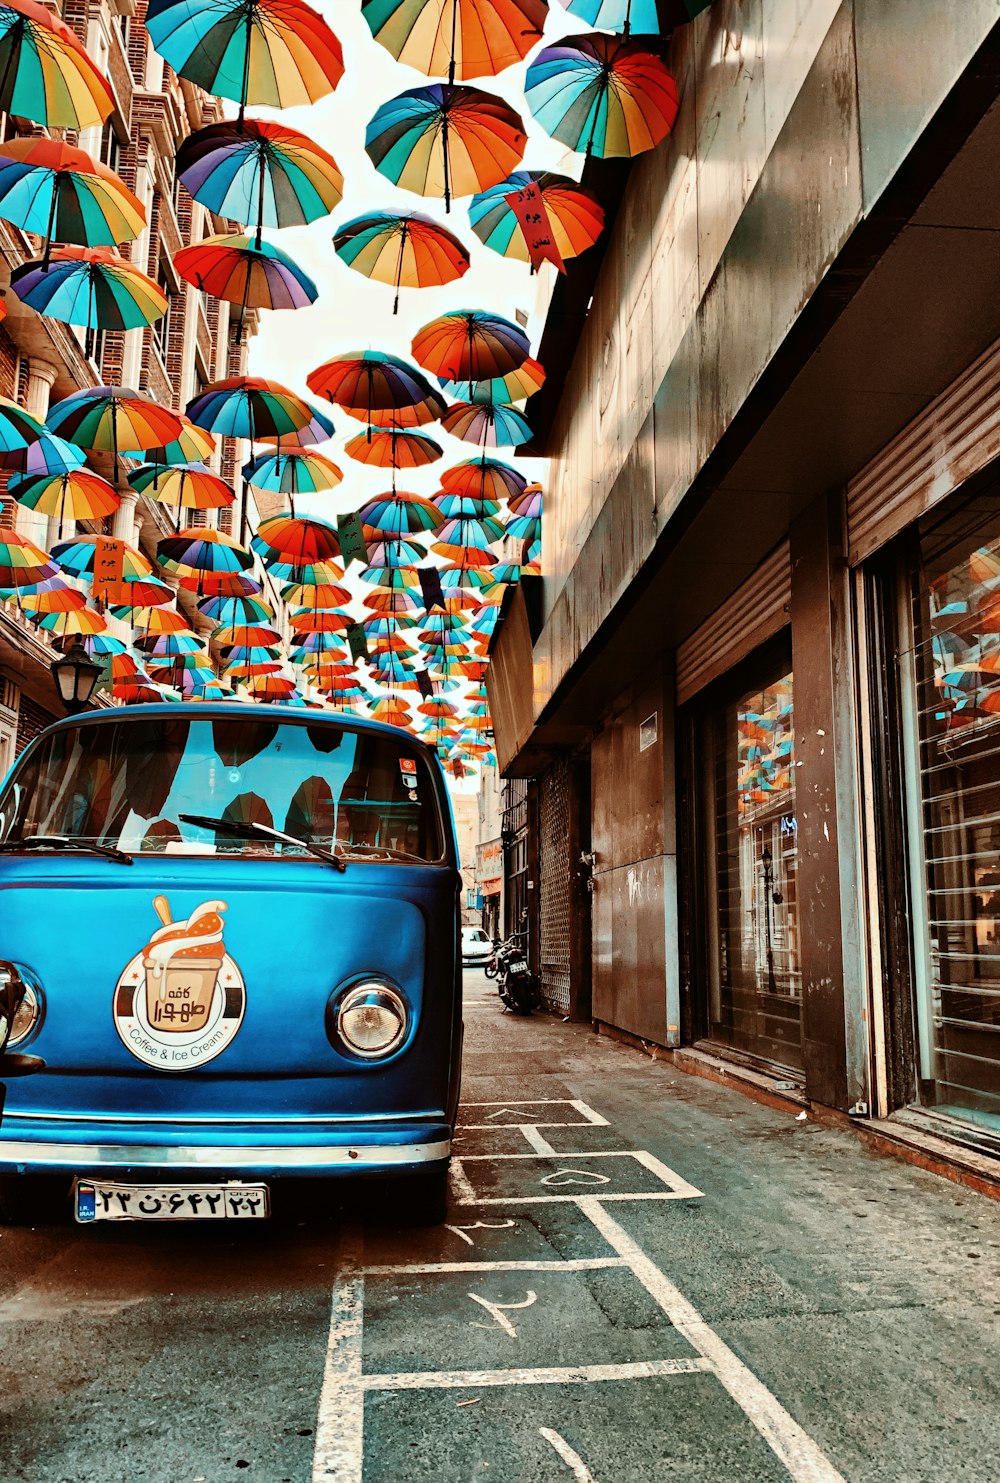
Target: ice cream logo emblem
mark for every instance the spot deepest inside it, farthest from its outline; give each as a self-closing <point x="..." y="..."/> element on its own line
<point x="180" y="1001"/>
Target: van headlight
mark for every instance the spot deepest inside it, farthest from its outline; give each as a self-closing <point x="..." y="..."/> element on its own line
<point x="26" y="1017"/>
<point x="369" y="1020"/>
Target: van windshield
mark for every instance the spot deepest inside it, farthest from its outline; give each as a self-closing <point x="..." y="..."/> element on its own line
<point x="129" y="784"/>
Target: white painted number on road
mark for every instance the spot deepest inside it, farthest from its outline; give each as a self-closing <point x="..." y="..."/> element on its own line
<point x="499" y="1313"/>
<point x="480" y="1225"/>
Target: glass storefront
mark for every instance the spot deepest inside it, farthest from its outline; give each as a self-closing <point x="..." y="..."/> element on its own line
<point x="951" y="700"/>
<point x="752" y="971"/>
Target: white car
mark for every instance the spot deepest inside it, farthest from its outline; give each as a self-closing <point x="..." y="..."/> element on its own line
<point x="476" y="946"/>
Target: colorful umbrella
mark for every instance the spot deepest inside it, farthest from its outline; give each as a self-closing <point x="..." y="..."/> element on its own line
<point x="487" y="424"/>
<point x="286" y="541"/>
<point x="220" y="583"/>
<point x="405" y="251"/>
<point x="470" y="345"/>
<point x="262" y="172"/>
<point x="246" y="271"/>
<point x="93" y="287"/>
<point x="483" y="478"/>
<point x="77" y="558"/>
<point x="311" y="620"/>
<point x="456" y="38"/>
<point x="392" y="581"/>
<point x="392" y="448"/>
<point x="399" y="513"/>
<point x="45" y="73"/>
<point x="468" y="541"/>
<point x="445" y="141"/>
<point x="233" y="610"/>
<point x="276" y="52"/>
<point x="249" y="407"/>
<point x="196" y="553"/>
<point x="325" y="594"/>
<point x="152" y="620"/>
<point x="77" y="495"/>
<point x="57" y="597"/>
<point x="18" y="428"/>
<point x="146" y="591"/>
<point x="515" y="386"/>
<point x="77" y="622"/>
<point x="319" y="429"/>
<point x="110" y="418"/>
<point x="393" y="553"/>
<point x="575" y="216"/>
<point x="58" y="192"/>
<point x="44" y="455"/>
<point x="371" y="383"/>
<point x="246" y="635"/>
<point x="186" y="486"/>
<point x="642" y="17"/>
<point x="22" y="563"/>
<point x="458" y="506"/>
<point x="292" y="473"/>
<point x="528" y="502"/>
<point x="602" y="96"/>
<point x="524" y="528"/>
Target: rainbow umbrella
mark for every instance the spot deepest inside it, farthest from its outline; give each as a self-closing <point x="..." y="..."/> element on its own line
<point x="515" y="386"/>
<point x="399" y="513"/>
<point x="602" y="96"/>
<point x="470" y="345"/>
<point x="57" y="596"/>
<point x="319" y="429"/>
<point x="58" y="192"/>
<point x="186" y="486"/>
<point x="220" y="583"/>
<point x="261" y="172"/>
<point x="372" y="383"/>
<point x="77" y="622"/>
<point x="410" y="251"/>
<point x="287" y="541"/>
<point x="324" y="594"/>
<point x="94" y="287"/>
<point x="483" y="479"/>
<point x="459" y="506"/>
<point x="326" y="620"/>
<point x="170" y="645"/>
<point x="292" y="473"/>
<point x="146" y="592"/>
<point x="45" y="73"/>
<point x="246" y="271"/>
<point x="391" y="580"/>
<point x="575" y="216"/>
<point x="234" y="610"/>
<point x="246" y="635"/>
<point x="645" y="17"/>
<point x="77" y="558"/>
<point x="528" y="502"/>
<point x="192" y="445"/>
<point x="276" y="52"/>
<point x="199" y="552"/>
<point x="107" y="419"/>
<point x="45" y="455"/>
<point x="271" y="687"/>
<point x="445" y="141"/>
<point x="524" y="528"/>
<point x="393" y="448"/>
<point x="456" y="38"/>
<point x="152" y="620"/>
<point x="249" y="407"/>
<point x="468" y="540"/>
<point x="18" y="428"/>
<point x="486" y="423"/>
<point x="386" y="624"/>
<point x="393" y="553"/>
<point x="22" y="563"/>
<point x="77" y="495"/>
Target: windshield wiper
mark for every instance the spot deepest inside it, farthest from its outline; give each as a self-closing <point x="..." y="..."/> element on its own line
<point x="388" y="850"/>
<point x="63" y="842"/>
<point x="241" y="829"/>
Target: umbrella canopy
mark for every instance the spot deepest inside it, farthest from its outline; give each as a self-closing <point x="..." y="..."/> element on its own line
<point x="470" y="345"/>
<point x="528" y="502"/>
<point x="246" y="271"/>
<point x="110" y="418"/>
<point x="146" y="592"/>
<point x="22" y="563"/>
<point x="371" y="383"/>
<point x="399" y="513"/>
<point x="284" y="540"/>
<point x="392" y="448"/>
<point x="263" y="173"/>
<point x="198" y="552"/>
<point x="60" y="193"/>
<point x="459" y="506"/>
<point x="93" y="287"/>
<point x="311" y="620"/>
<point x="276" y="52"/>
<point x="18" y="428"/>
<point x="246" y="635"/>
<point x="191" y="445"/>
<point x="77" y="495"/>
<point x="319" y="429"/>
<point x="271" y="687"/>
<point x="186" y="486"/>
<point x="152" y="620"/>
<point x="642" y="17"/>
<point x="234" y="610"/>
<point x="44" y="455"/>
<point x="456" y="38"/>
<point x="327" y="594"/>
<point x="486" y="423"/>
<point x="515" y="386"/>
<point x="525" y="528"/>
<point x="404" y="251"/>
<point x="57" y="597"/>
<point x="249" y="407"/>
<point x="77" y="621"/>
<point x="469" y="541"/>
<point x="445" y="140"/>
<point x="483" y="478"/>
<point x="77" y="558"/>
<point x="602" y="96"/>
<point x="292" y="473"/>
<point x="575" y="216"/>
<point x="46" y="74"/>
<point x="220" y="583"/>
<point x="393" y="553"/>
<point x="392" y="581"/>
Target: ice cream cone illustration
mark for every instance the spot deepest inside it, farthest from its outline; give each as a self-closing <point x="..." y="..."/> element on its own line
<point x="182" y="962"/>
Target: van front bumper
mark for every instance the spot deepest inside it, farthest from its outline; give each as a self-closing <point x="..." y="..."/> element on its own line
<point x="199" y="1153"/>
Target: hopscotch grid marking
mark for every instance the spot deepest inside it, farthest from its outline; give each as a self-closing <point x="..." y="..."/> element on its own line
<point x="572" y="1459"/>
<point x="666" y="1194"/>
<point x="547" y="1375"/>
<point x="592" y="1118"/>
<point x="678" y="1188"/>
<point x="573" y="1264"/>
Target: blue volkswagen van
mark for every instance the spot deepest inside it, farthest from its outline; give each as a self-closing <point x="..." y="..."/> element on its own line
<point x="233" y="932"/>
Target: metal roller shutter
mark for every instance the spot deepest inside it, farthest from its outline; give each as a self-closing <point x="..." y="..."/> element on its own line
<point x="756" y="612"/>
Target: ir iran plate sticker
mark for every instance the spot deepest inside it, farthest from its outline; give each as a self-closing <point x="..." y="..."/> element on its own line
<point x="181" y="999"/>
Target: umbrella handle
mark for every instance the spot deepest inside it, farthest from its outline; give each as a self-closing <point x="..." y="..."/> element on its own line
<point x="246" y="67"/>
<point x="399" y="262"/>
<point x="444" y="151"/>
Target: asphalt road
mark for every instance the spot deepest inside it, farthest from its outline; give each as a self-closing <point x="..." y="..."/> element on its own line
<point x="643" y="1276"/>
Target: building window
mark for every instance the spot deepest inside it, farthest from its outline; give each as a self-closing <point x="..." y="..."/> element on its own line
<point x="110" y="150"/>
<point x="748" y="849"/>
<point x="161" y="327"/>
<point x="950" y="668"/>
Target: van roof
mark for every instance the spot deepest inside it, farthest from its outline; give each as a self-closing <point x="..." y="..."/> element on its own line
<point x="234" y="710"/>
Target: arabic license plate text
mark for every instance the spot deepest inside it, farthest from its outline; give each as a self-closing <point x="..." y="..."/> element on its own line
<point x="100" y="1200"/>
<point x="518" y="965"/>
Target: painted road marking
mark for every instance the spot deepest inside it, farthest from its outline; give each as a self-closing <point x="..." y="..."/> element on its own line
<point x="648" y="1369"/>
<point x="499" y="1311"/>
<point x="523" y="1112"/>
<point x="574" y="1264"/>
<point x="796" y="1450"/>
<point x="338" y="1456"/>
<point x="572" y="1459"/>
<point x="479" y="1225"/>
<point x="671" y="1185"/>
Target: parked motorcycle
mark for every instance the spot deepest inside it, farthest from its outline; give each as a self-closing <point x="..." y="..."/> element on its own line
<point x="492" y="963"/>
<point x="516" y="984"/>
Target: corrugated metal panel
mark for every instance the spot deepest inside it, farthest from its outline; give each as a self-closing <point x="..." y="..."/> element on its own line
<point x="756" y="611"/>
<point x="953" y="438"/>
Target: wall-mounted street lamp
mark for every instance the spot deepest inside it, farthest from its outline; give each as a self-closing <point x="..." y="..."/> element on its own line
<point x="75" y="675"/>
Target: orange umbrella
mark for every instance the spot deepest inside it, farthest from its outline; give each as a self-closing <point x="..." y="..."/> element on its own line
<point x="411" y="251"/>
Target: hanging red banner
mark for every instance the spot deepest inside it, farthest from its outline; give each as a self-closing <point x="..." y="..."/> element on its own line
<point x="528" y="206"/>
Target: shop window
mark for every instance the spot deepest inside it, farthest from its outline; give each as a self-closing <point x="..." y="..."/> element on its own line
<point x="748" y="858"/>
<point x="951" y="707"/>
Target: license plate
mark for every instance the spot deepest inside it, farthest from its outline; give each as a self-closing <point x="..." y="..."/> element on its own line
<point x="99" y="1200"/>
<point x="518" y="965"/>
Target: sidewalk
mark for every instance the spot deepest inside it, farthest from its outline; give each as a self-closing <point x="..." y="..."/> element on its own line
<point x="862" y="1292"/>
